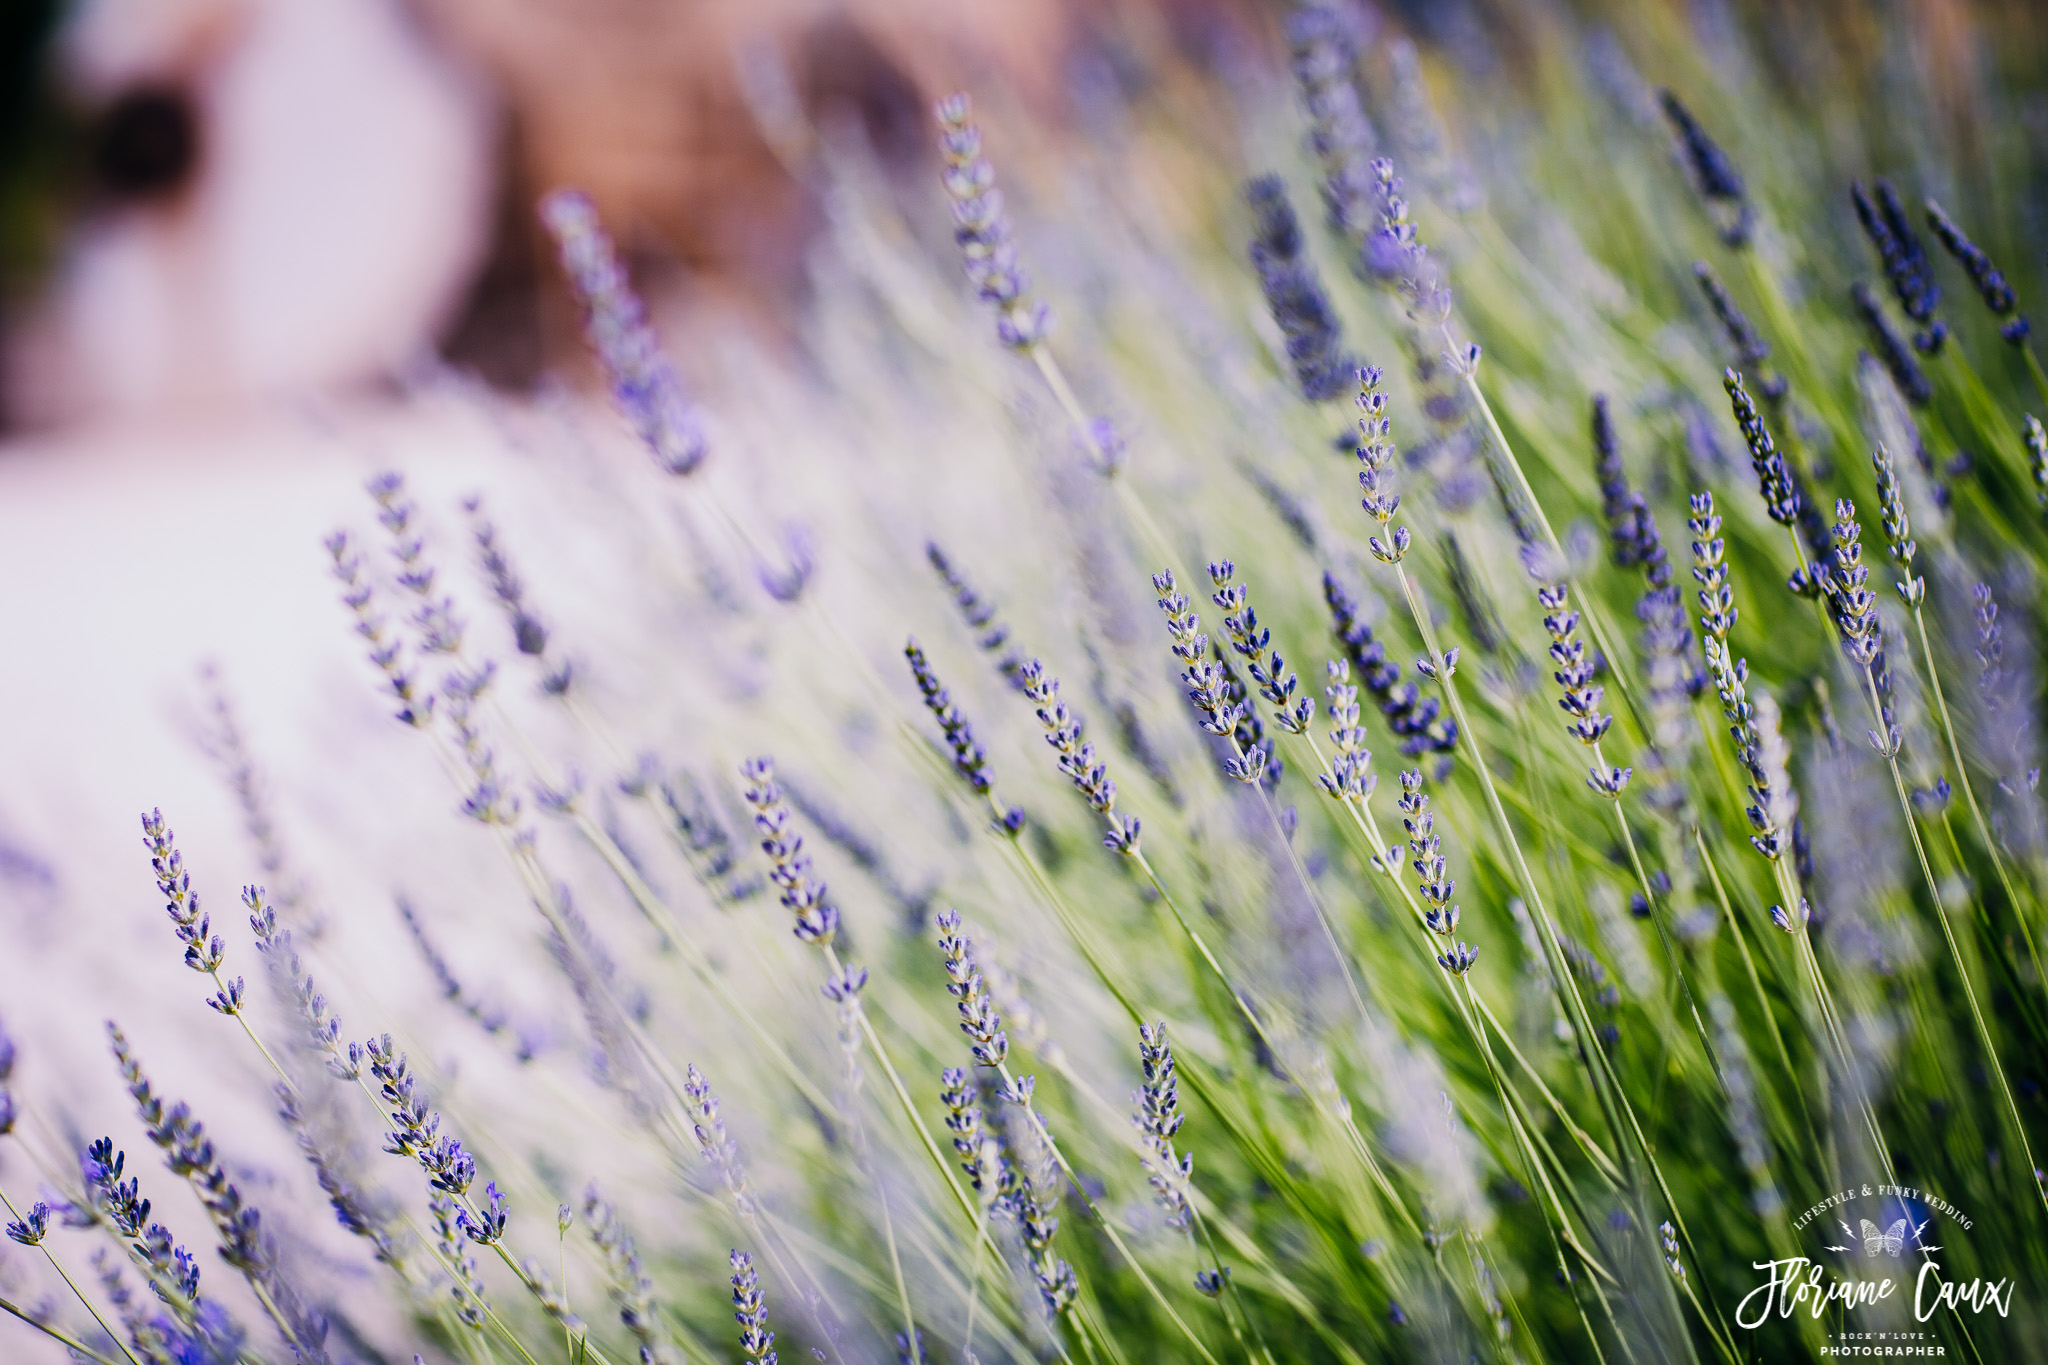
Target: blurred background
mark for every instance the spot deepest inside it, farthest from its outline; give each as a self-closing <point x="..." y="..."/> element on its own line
<point x="213" y="201"/>
<point x="208" y="204"/>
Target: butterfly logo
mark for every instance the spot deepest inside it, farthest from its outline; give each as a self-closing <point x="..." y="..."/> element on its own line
<point x="1891" y="1241"/>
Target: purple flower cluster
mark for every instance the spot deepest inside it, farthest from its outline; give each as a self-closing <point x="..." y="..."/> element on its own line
<point x="1295" y="296"/>
<point x="1987" y="277"/>
<point x="1906" y="266"/>
<point x="1417" y="721"/>
<point x="644" y="383"/>
<point x="982" y="229"/>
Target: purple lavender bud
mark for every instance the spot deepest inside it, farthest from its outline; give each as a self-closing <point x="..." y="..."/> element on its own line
<point x="1582" y="696"/>
<point x="1891" y="348"/>
<point x="1751" y="350"/>
<point x="631" y="1290"/>
<point x="1418" y="721"/>
<point x="30" y="1231"/>
<point x="968" y="759"/>
<point x="644" y="383"/>
<point x="1323" y="55"/>
<point x="1713" y="175"/>
<point x="979" y="1018"/>
<point x="1294" y="295"/>
<point x="487" y="1225"/>
<point x="991" y="635"/>
<point x="801" y="893"/>
<point x="1458" y="958"/>
<point x="1988" y="278"/>
<point x="757" y="1343"/>
<point x="1157" y="1119"/>
<point x="982" y="229"/>
<point x="1781" y="493"/>
<point x="845" y="984"/>
<point x="1847" y="584"/>
<point x="1904" y="259"/>
<point x="1076" y="758"/>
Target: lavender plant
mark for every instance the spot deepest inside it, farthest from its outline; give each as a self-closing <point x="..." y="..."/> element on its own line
<point x="1640" y="993"/>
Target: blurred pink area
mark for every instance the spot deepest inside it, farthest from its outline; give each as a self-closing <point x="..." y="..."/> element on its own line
<point x="366" y="172"/>
<point x="340" y="206"/>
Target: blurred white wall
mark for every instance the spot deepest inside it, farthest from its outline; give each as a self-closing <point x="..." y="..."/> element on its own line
<point x="341" y="206"/>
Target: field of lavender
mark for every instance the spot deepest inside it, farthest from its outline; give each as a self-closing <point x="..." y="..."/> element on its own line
<point x="1418" y="703"/>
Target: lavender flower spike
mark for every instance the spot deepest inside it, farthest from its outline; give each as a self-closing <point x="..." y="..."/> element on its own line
<point x="717" y="1145"/>
<point x="1207" y="683"/>
<point x="979" y="1019"/>
<point x="1248" y="638"/>
<point x="1847" y="582"/>
<point x="1906" y="267"/>
<point x="803" y="895"/>
<point x="1774" y="476"/>
<point x="644" y="383"/>
<point x="1350" y="777"/>
<point x="1618" y="502"/>
<point x="1077" y="758"/>
<point x="1427" y="851"/>
<point x="190" y="1154"/>
<point x="1891" y="348"/>
<point x="1989" y="279"/>
<point x="1397" y="252"/>
<point x="1376" y="461"/>
<point x="756" y="1341"/>
<point x="968" y="758"/>
<point x="1157" y="1119"/>
<point x="983" y="230"/>
<point x="204" y="950"/>
<point x="1751" y="350"/>
<point x="1323" y="57"/>
<point x="322" y="1028"/>
<point x="415" y="1133"/>
<point x="1294" y="295"/>
<point x="1898" y="527"/>
<point x="1582" y="696"/>
<point x="631" y="1290"/>
<point x="1713" y="175"/>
